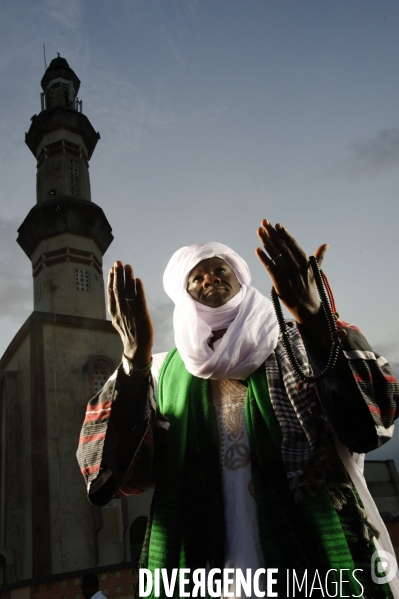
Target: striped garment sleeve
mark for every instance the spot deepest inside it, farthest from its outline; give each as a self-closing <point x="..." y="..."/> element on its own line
<point x="107" y="473"/>
<point x="375" y="380"/>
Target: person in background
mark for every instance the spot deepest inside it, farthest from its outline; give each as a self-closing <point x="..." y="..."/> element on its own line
<point x="91" y="587"/>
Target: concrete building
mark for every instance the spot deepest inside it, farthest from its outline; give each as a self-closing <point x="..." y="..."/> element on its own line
<point x="63" y="353"/>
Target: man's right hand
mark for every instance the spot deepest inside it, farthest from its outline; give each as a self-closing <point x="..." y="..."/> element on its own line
<point x="128" y="309"/>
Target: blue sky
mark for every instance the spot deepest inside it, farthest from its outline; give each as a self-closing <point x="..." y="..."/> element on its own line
<point x="214" y="114"/>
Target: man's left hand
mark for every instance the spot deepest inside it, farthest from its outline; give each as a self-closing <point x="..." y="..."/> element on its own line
<point x="290" y="271"/>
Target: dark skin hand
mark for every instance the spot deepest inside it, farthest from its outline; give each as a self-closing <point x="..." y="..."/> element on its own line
<point x="133" y="323"/>
<point x="131" y="319"/>
<point x="292" y="277"/>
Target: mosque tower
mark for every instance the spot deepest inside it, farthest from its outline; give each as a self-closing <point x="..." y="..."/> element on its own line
<point x="65" y="235"/>
<point x="49" y="533"/>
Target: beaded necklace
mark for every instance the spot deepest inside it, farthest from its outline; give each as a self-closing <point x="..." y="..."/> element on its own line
<point x="328" y="308"/>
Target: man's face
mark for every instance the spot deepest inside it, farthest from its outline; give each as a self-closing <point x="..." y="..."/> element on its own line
<point x="212" y="282"/>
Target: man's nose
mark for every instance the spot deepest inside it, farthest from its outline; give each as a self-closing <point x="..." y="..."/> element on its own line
<point x="210" y="279"/>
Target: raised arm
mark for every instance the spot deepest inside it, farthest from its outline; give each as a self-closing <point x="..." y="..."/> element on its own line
<point x="292" y="277"/>
<point x="112" y="455"/>
<point x="362" y="385"/>
<point x="130" y="316"/>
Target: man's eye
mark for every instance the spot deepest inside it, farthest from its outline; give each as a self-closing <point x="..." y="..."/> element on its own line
<point x="197" y="278"/>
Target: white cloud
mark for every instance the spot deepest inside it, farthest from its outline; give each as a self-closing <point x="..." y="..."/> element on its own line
<point x="64" y="14"/>
<point x="26" y="25"/>
<point x="124" y="113"/>
<point x="372" y="155"/>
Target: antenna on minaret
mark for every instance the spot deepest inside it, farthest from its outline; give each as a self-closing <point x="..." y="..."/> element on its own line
<point x="44" y="54"/>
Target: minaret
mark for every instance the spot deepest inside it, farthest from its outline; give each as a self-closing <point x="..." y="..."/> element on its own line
<point x="50" y="535"/>
<point x="65" y="235"/>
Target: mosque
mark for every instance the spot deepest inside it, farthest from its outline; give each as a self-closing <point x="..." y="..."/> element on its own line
<point x="50" y="535"/>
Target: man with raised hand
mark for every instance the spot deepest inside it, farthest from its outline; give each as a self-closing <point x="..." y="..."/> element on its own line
<point x="248" y="446"/>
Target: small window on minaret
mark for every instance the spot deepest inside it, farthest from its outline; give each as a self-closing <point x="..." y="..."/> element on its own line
<point x="74" y="177"/>
<point x="102" y="373"/>
<point x="98" y="369"/>
<point x="82" y="280"/>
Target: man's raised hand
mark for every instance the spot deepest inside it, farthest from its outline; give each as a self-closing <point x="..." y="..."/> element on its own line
<point x="129" y="313"/>
<point x="290" y="271"/>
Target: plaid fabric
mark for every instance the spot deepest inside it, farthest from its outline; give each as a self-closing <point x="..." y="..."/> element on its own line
<point x="293" y="407"/>
<point x="315" y="533"/>
<point x="375" y="394"/>
<point x="302" y="411"/>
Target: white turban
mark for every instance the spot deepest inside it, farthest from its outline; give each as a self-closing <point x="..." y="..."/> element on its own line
<point x="252" y="328"/>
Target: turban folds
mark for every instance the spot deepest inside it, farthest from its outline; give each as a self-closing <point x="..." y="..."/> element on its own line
<point x="252" y="328"/>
